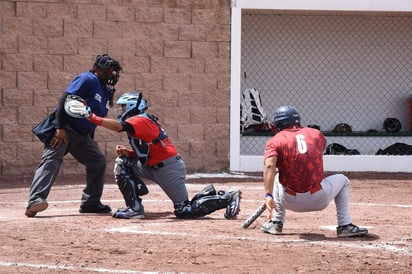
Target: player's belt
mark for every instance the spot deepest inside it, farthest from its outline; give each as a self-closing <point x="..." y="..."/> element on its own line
<point x="167" y="161"/>
<point x="315" y="189"/>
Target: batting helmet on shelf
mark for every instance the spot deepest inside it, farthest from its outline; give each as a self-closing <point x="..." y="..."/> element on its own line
<point x="342" y="127"/>
<point x="392" y="125"/>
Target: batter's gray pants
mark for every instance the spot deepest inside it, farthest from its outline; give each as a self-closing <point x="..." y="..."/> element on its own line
<point x="85" y="150"/>
<point x="334" y="187"/>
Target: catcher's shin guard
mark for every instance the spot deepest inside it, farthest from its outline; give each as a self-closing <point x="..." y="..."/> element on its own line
<point x="127" y="185"/>
<point x="206" y="191"/>
<point x="208" y="204"/>
<point x="200" y="206"/>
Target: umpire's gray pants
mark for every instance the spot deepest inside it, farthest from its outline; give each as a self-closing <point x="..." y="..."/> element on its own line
<point x="85" y="150"/>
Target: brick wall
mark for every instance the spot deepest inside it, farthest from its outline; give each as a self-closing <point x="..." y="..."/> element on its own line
<point x="176" y="52"/>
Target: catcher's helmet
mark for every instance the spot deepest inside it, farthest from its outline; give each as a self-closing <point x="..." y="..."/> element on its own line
<point x="286" y="116"/>
<point x="110" y="67"/>
<point x="134" y="103"/>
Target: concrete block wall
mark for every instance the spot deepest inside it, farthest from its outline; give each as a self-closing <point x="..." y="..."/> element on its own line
<point x="176" y="52"/>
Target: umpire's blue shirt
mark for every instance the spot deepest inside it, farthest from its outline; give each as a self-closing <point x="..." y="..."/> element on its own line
<point x="88" y="86"/>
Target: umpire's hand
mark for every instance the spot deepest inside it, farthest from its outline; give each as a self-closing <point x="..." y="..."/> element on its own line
<point x="59" y="138"/>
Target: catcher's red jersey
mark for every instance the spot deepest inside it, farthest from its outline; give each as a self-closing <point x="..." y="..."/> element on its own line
<point x="146" y="130"/>
<point x="299" y="153"/>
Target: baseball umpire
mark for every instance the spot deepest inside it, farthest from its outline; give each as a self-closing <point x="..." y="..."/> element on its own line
<point x="75" y="136"/>
<point x="153" y="156"/>
<point x="300" y="186"/>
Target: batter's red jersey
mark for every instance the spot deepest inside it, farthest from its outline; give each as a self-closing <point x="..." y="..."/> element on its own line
<point x="147" y="130"/>
<point x="299" y="153"/>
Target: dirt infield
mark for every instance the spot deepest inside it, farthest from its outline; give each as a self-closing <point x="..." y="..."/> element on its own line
<point x="61" y="240"/>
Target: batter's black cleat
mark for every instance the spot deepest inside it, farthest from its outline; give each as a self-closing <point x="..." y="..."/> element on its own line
<point x="99" y="208"/>
<point x="35" y="207"/>
<point x="272" y="227"/>
<point x="351" y="230"/>
<point x="233" y="208"/>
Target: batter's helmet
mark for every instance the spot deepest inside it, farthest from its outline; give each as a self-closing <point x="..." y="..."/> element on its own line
<point x="286" y="116"/>
<point x="135" y="104"/>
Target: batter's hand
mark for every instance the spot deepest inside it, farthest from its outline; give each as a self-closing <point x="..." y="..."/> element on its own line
<point x="59" y="138"/>
<point x="270" y="205"/>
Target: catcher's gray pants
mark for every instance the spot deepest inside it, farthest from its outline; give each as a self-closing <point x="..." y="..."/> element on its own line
<point x="333" y="187"/>
<point x="170" y="177"/>
<point x="85" y="150"/>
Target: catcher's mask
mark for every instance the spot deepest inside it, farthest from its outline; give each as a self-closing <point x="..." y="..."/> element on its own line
<point x="131" y="103"/>
<point x="286" y="116"/>
<point x="110" y="68"/>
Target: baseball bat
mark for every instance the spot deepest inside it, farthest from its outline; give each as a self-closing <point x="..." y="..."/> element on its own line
<point x="254" y="216"/>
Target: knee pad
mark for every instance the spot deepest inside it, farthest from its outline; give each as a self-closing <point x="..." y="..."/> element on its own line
<point x="123" y="165"/>
<point x="123" y="171"/>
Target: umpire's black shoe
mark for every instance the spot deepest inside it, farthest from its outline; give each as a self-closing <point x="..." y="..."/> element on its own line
<point x="99" y="208"/>
<point x="35" y="207"/>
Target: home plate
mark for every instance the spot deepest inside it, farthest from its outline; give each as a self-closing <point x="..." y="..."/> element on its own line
<point x="333" y="227"/>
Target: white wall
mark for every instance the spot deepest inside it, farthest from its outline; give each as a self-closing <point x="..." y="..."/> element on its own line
<point x="245" y="163"/>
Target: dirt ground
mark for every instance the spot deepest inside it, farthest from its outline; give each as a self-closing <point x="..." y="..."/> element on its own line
<point x="61" y="240"/>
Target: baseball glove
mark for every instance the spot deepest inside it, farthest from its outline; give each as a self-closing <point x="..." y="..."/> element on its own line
<point x="76" y="107"/>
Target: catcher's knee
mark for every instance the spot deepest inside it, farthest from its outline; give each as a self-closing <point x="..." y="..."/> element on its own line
<point x="123" y="172"/>
<point x="122" y="165"/>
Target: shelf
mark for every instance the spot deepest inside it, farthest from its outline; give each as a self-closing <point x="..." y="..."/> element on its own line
<point x="339" y="134"/>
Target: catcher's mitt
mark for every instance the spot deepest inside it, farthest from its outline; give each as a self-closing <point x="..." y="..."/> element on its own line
<point x="76" y="107"/>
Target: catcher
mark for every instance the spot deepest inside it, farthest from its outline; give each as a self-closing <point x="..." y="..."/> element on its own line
<point x="75" y="136"/>
<point x="300" y="186"/>
<point x="153" y="156"/>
